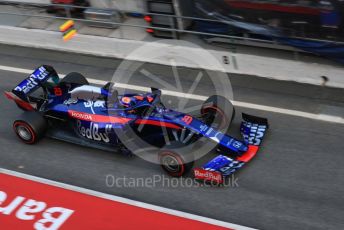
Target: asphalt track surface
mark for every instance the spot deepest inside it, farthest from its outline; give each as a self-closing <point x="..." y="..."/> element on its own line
<point x="295" y="182"/>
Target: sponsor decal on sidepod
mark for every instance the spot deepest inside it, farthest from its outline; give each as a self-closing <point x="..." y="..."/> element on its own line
<point x="92" y="132"/>
<point x="81" y="116"/>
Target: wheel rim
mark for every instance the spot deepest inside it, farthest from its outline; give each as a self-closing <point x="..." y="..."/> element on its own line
<point x="24" y="133"/>
<point x="171" y="164"/>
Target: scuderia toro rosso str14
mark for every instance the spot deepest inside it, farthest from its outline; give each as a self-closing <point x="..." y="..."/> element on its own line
<point x="72" y="110"/>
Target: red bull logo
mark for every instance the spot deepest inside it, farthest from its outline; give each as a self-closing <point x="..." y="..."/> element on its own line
<point x="211" y="176"/>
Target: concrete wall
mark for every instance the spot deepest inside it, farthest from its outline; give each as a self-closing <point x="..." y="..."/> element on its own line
<point x="125" y="5"/>
<point x="31" y="1"/>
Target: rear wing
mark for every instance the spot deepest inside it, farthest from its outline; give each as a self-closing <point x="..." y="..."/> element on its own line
<point x="21" y="93"/>
<point x="34" y="81"/>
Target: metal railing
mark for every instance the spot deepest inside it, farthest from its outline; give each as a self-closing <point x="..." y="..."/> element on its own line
<point x="242" y="40"/>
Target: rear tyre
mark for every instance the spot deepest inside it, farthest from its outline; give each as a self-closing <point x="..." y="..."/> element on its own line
<point x="30" y="127"/>
<point x="218" y="112"/>
<point x="173" y="163"/>
<point x="75" y="78"/>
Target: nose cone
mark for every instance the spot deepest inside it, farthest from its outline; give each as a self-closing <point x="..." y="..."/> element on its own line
<point x="244" y="148"/>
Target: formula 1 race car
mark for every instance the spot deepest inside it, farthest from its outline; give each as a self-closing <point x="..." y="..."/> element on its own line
<point x="70" y="109"/>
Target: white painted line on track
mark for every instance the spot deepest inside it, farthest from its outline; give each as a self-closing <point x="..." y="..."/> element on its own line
<point x="125" y="200"/>
<point x="313" y="116"/>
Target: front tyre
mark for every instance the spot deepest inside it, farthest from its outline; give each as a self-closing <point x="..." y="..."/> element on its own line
<point x="218" y="112"/>
<point x="30" y="127"/>
<point x="174" y="163"/>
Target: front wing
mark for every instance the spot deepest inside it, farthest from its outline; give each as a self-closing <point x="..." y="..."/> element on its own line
<point x="253" y="130"/>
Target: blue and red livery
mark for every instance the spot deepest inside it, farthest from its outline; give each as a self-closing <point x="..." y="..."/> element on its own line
<point x="72" y="110"/>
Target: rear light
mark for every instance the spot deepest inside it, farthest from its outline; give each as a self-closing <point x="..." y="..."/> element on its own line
<point x="148" y="19"/>
<point x="149" y="30"/>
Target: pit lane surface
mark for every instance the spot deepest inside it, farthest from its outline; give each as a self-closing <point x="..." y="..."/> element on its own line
<point x="293" y="183"/>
